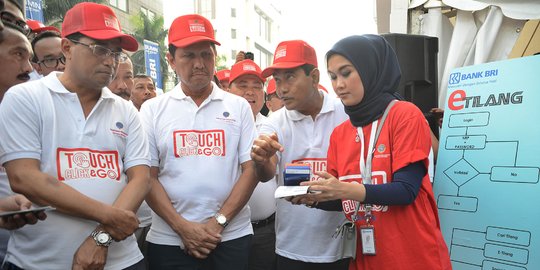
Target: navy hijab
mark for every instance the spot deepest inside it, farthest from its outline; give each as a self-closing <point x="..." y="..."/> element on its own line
<point x="378" y="66"/>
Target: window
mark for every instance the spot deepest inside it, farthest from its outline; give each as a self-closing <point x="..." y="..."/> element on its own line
<point x="265" y="25"/>
<point x="150" y="14"/>
<point x="119" y="4"/>
<point x="233" y="12"/>
<point x="206" y="8"/>
<point x="233" y="33"/>
<point x="262" y="56"/>
<point x="233" y="54"/>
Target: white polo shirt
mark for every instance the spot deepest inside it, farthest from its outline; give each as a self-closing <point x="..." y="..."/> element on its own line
<point x="199" y="150"/>
<point x="42" y="120"/>
<point x="305" y="140"/>
<point x="262" y="203"/>
<point x="5" y="191"/>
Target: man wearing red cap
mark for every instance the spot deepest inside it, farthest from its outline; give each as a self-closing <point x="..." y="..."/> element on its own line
<point x="202" y="175"/>
<point x="247" y="82"/>
<point x="68" y="142"/>
<point x="300" y="134"/>
<point x="223" y="78"/>
<point x="38" y="27"/>
<point x="273" y="102"/>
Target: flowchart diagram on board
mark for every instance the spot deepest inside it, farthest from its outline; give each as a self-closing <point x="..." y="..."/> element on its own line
<point x="488" y="169"/>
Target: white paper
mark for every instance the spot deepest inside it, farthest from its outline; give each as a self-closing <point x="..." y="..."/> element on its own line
<point x="286" y="191"/>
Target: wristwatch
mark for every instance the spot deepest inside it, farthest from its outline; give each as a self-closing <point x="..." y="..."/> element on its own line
<point x="221" y="220"/>
<point x="102" y="238"/>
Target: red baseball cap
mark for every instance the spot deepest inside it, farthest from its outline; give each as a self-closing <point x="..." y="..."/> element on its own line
<point x="245" y="67"/>
<point x="38" y="27"/>
<point x="223" y="75"/>
<point x="189" y="29"/>
<point x="291" y="54"/>
<point x="271" y="87"/>
<point x="98" y="22"/>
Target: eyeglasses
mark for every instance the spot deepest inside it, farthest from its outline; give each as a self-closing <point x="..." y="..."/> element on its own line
<point x="10" y="19"/>
<point x="53" y="62"/>
<point x="103" y="52"/>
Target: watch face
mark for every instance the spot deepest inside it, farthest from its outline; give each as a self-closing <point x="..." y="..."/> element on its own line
<point x="221" y="219"/>
<point x="102" y="238"/>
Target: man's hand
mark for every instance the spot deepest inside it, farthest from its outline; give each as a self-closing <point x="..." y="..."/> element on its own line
<point x="121" y="224"/>
<point x="200" y="239"/>
<point x="90" y="256"/>
<point x="14" y="203"/>
<point x="265" y="147"/>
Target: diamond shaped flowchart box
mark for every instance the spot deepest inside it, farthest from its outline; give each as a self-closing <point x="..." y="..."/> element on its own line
<point x="461" y="172"/>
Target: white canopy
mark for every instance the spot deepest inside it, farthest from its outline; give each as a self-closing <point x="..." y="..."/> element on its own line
<point x="484" y="31"/>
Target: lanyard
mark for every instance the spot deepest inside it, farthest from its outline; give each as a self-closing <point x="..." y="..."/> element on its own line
<point x="365" y="163"/>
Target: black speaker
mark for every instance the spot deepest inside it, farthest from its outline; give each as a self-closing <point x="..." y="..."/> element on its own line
<point x="417" y="57"/>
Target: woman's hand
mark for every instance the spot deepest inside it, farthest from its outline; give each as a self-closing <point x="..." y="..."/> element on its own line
<point x="328" y="188"/>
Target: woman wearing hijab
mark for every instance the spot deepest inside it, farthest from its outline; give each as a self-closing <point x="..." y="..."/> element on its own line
<point x="397" y="225"/>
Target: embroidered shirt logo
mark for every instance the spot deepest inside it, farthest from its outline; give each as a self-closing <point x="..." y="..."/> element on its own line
<point x="118" y="130"/>
<point x="84" y="163"/>
<point x="199" y="143"/>
<point x="226" y="118"/>
<point x="317" y="165"/>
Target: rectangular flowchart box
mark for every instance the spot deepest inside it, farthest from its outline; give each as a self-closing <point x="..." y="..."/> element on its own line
<point x="509" y="254"/>
<point x="491" y="265"/>
<point x="515" y="174"/>
<point x="457" y="203"/>
<point x="466" y="142"/>
<point x="478" y="119"/>
<point x="509" y="236"/>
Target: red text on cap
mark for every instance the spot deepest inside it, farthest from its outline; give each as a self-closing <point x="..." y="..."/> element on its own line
<point x="196" y="26"/>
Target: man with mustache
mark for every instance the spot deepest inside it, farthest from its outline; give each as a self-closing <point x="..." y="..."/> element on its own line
<point x="202" y="176"/>
<point x="300" y="133"/>
<point x="122" y="84"/>
<point x="68" y="142"/>
<point x="144" y="89"/>
<point x="15" y="54"/>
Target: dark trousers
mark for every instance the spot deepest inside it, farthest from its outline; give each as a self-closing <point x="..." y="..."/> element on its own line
<point x="288" y="264"/>
<point x="227" y="255"/>
<point x="138" y="266"/>
<point x="262" y="255"/>
<point x="140" y="234"/>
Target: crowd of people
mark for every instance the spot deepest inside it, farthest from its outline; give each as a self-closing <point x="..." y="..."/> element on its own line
<point x="186" y="179"/>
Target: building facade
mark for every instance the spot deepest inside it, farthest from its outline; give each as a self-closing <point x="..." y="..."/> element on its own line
<point x="240" y="25"/>
<point x="124" y="9"/>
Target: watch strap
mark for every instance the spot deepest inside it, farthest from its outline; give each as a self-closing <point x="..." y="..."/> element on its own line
<point x="96" y="233"/>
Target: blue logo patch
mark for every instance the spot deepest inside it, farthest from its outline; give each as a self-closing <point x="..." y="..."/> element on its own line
<point x="226" y="114"/>
<point x="119" y="125"/>
<point x="454" y="78"/>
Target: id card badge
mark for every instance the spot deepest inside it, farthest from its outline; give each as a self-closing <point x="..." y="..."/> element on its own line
<point x="367" y="234"/>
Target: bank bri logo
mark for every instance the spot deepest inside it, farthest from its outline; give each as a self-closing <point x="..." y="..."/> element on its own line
<point x="455" y="78"/>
